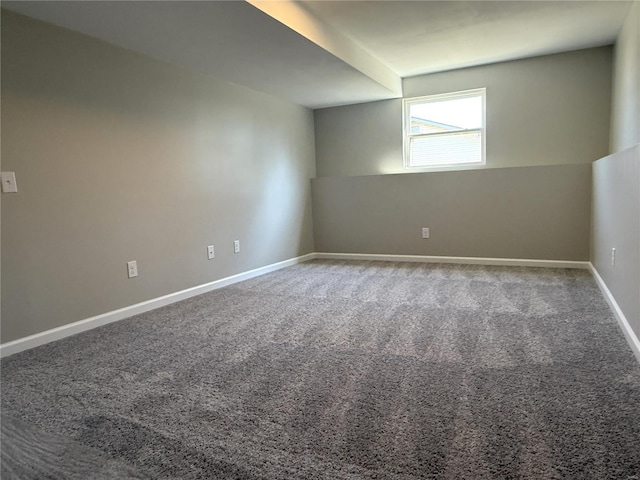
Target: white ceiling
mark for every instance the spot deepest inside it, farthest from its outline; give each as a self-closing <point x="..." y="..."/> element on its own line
<point x="417" y="37"/>
<point x="325" y="53"/>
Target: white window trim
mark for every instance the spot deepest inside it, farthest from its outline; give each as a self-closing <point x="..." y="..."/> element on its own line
<point x="406" y="130"/>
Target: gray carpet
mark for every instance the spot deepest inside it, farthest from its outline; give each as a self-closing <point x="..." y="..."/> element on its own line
<point x="339" y="370"/>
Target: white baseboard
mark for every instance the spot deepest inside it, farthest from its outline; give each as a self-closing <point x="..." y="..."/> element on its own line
<point x="58" y="333"/>
<point x="41" y="338"/>
<point x="511" y="262"/>
<point x="629" y="334"/>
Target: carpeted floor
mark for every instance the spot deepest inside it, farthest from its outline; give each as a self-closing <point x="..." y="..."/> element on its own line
<point x="339" y="370"/>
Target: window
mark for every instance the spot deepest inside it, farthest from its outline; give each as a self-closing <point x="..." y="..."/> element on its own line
<point x="444" y="130"/>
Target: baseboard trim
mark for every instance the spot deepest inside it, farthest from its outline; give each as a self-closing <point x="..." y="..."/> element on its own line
<point x="26" y="343"/>
<point x="510" y="262"/>
<point x="63" y="331"/>
<point x="629" y="334"/>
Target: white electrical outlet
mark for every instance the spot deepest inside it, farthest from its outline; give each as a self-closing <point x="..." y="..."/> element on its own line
<point x="132" y="269"/>
<point x="425" y="232"/>
<point x="211" y="253"/>
<point x="613" y="257"/>
<point x="236" y="246"/>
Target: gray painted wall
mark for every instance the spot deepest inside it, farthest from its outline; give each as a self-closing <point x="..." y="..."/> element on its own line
<point x="616" y="181"/>
<point x="362" y="139"/>
<point x="625" y="117"/>
<point x="616" y="224"/>
<point x="529" y="212"/>
<point x="119" y="157"/>
<point x="548" y="116"/>
<point x="540" y="111"/>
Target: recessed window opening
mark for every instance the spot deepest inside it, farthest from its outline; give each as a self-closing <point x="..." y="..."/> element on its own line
<point x="445" y="130"/>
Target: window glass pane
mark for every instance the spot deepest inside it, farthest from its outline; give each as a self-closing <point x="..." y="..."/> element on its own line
<point x="456" y="148"/>
<point x="446" y="115"/>
<point x="446" y="129"/>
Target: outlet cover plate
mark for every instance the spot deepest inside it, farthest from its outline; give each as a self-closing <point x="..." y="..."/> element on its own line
<point x="132" y="269"/>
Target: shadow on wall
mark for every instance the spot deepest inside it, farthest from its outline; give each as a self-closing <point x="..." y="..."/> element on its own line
<point x="526" y="213"/>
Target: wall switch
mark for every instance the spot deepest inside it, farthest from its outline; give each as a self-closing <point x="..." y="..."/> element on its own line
<point x="236" y="246"/>
<point x="613" y="257"/>
<point x="425" y="232"/>
<point x="210" y="252"/>
<point x="9" y="184"/>
<point x="132" y="269"/>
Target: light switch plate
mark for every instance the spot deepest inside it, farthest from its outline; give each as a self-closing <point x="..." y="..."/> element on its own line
<point x="9" y="184"/>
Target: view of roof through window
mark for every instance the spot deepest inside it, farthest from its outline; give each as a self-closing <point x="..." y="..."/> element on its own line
<point x="446" y="115"/>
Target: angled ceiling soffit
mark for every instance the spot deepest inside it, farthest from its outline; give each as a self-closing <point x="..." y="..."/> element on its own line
<point x="293" y="15"/>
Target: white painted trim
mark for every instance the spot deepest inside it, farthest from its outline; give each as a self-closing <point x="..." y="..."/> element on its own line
<point x="510" y="262"/>
<point x="58" y="333"/>
<point x="629" y="334"/>
<point x="407" y="135"/>
<point x="63" y="331"/>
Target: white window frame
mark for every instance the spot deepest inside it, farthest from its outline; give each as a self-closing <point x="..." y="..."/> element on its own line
<point x="407" y="135"/>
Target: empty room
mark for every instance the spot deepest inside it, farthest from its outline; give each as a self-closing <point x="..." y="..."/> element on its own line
<point x="320" y="240"/>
